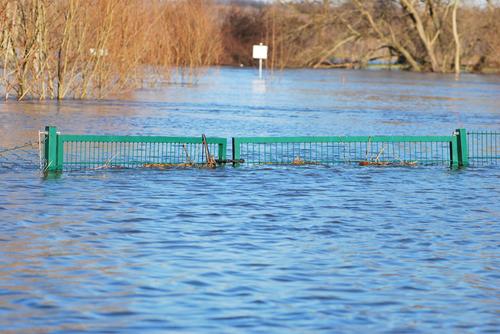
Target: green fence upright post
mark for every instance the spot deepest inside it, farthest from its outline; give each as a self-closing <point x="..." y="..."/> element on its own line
<point x="463" y="150"/>
<point x="51" y="148"/>
<point x="454" y="152"/>
<point x="60" y="153"/>
<point x="222" y="151"/>
<point x="236" y="151"/>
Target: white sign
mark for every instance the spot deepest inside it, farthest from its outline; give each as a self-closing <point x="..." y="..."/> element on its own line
<point x="259" y="51"/>
<point x="98" y="52"/>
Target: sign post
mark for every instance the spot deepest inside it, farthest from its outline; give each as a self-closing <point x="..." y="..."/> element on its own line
<point x="260" y="53"/>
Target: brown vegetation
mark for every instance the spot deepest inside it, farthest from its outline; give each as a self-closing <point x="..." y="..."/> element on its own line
<point x="93" y="48"/>
<point x="421" y="35"/>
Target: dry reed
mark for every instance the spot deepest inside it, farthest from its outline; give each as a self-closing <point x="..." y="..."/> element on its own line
<point x="92" y="49"/>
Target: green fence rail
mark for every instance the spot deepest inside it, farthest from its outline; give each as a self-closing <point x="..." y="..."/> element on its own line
<point x="69" y="152"/>
<point x="461" y="148"/>
<point x="484" y="147"/>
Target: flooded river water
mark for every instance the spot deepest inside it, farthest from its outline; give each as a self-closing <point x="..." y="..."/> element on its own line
<point x="263" y="250"/>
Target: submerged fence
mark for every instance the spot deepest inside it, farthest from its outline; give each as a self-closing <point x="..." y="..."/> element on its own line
<point x="483" y="147"/>
<point x="69" y="152"/>
<point x="364" y="150"/>
<point x="461" y="148"/>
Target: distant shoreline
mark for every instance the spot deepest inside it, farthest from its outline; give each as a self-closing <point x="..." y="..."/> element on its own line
<point x="395" y="67"/>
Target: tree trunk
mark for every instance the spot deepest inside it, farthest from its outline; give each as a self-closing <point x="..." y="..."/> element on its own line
<point x="392" y="41"/>
<point x="409" y="7"/>
<point x="456" y="37"/>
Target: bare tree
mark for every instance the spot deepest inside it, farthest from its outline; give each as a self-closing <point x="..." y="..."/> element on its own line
<point x="422" y="34"/>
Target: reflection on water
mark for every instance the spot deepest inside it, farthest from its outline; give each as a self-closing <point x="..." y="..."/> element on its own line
<point x="283" y="249"/>
<point x="258" y="86"/>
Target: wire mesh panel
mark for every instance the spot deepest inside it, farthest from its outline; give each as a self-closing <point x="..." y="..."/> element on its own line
<point x="483" y="147"/>
<point x="98" y="152"/>
<point x="141" y="152"/>
<point x="23" y="156"/>
<point x="363" y="150"/>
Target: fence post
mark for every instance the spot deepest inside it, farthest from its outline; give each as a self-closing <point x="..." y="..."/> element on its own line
<point x="236" y="151"/>
<point x="222" y="150"/>
<point x="60" y="153"/>
<point x="51" y="149"/>
<point x="454" y="151"/>
<point x="463" y="150"/>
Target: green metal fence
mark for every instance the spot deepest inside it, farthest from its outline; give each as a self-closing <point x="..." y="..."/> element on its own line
<point x="69" y="152"/>
<point x="461" y="148"/>
<point x="483" y="147"/>
<point x="363" y="150"/>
